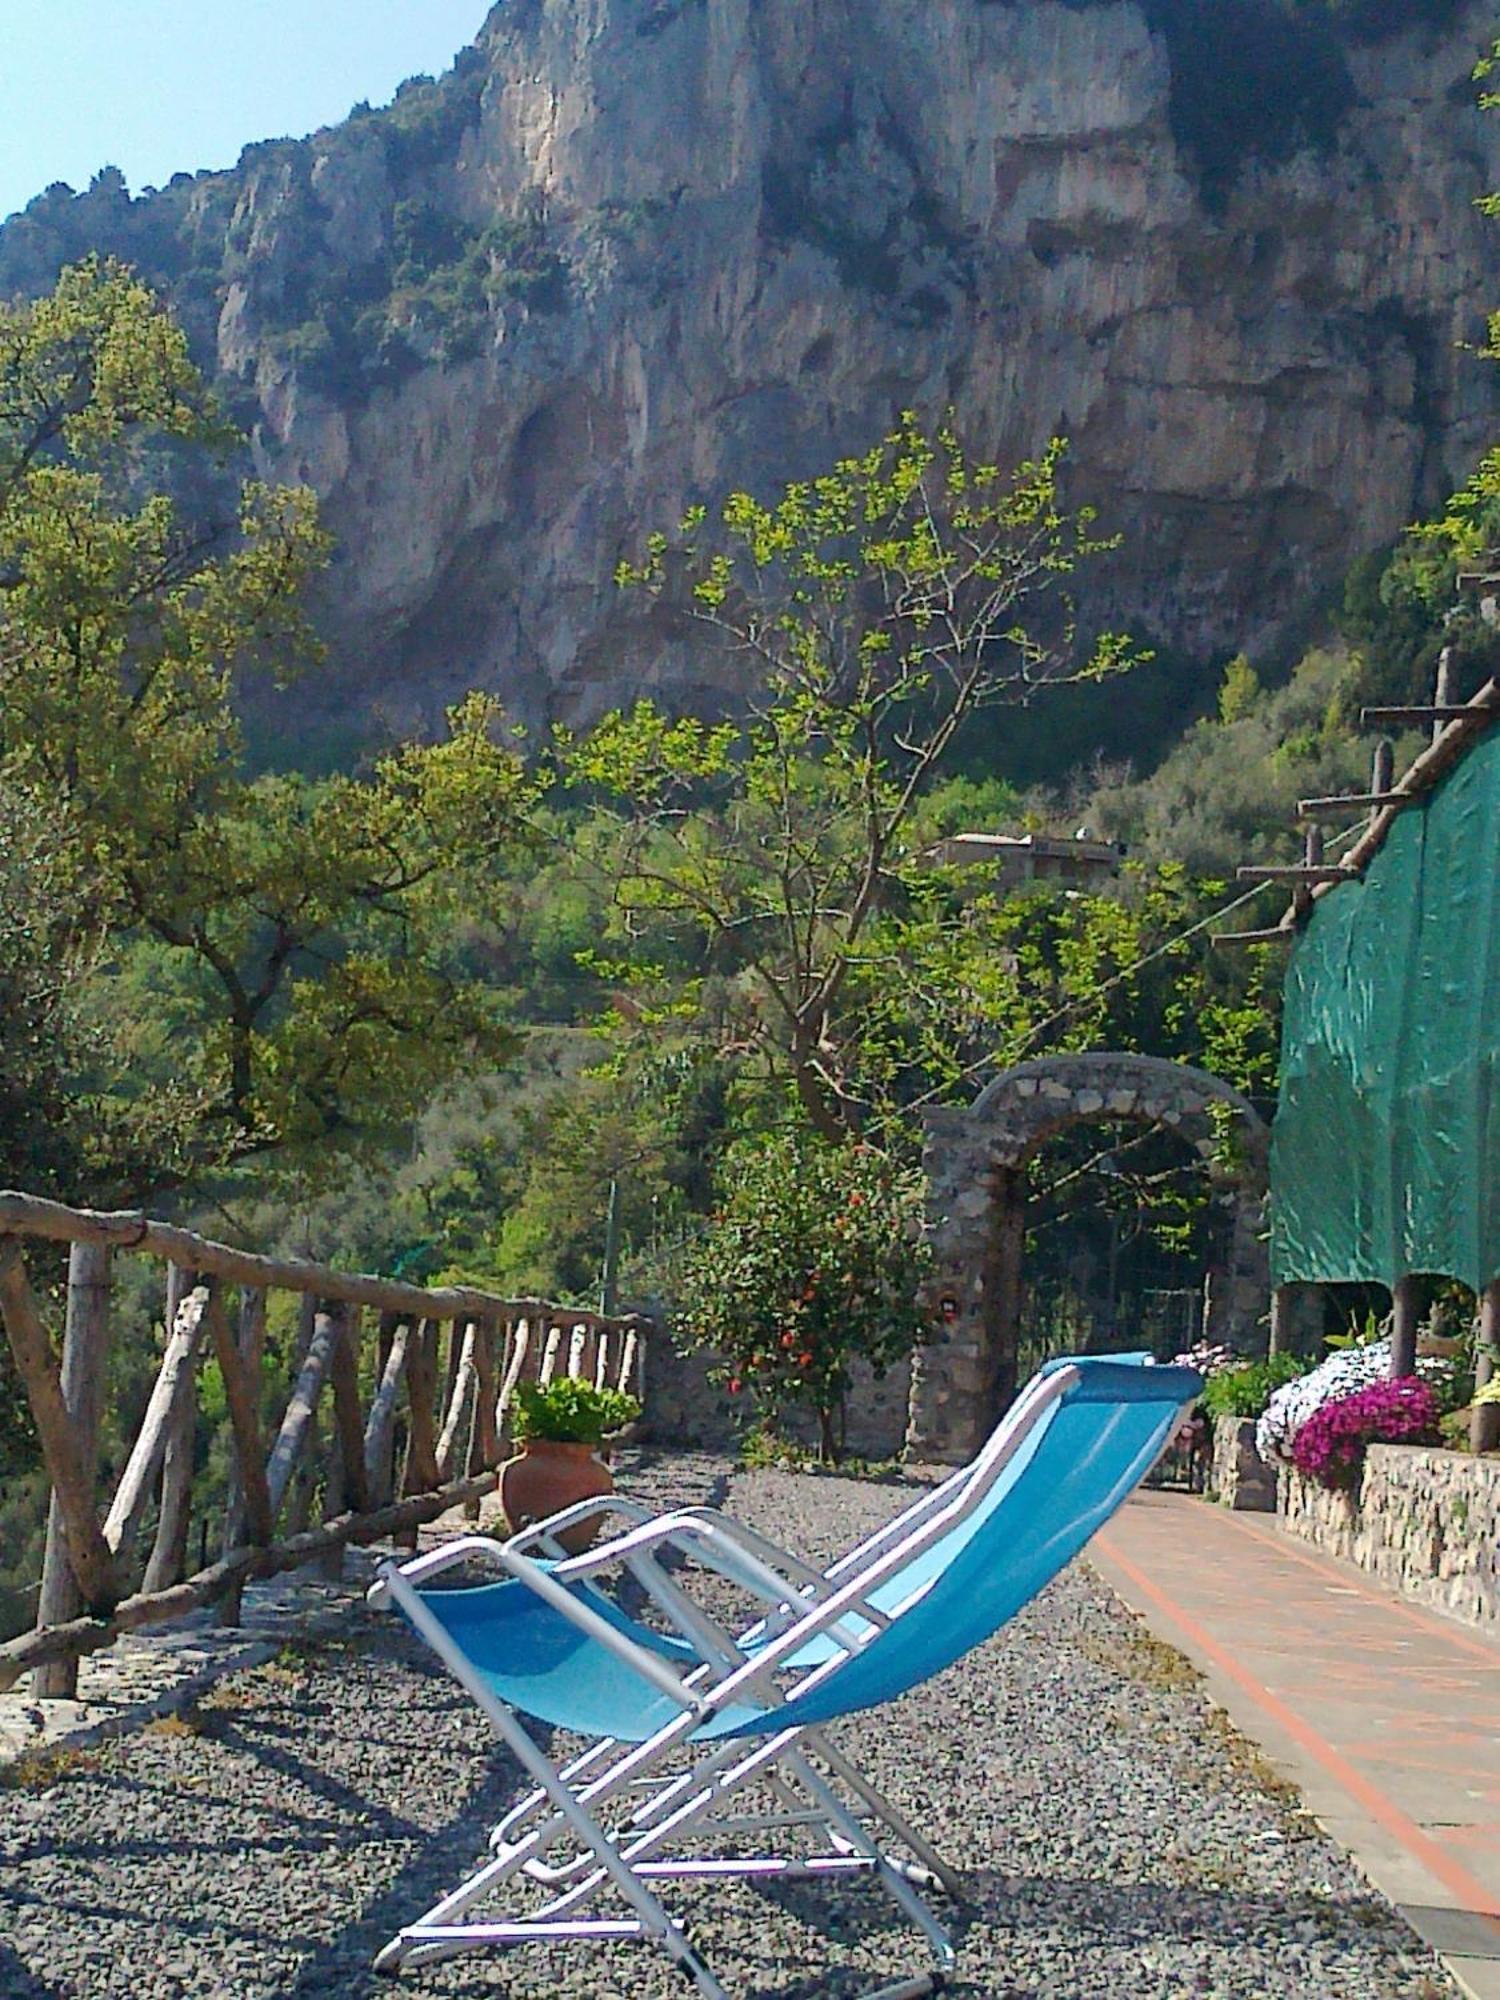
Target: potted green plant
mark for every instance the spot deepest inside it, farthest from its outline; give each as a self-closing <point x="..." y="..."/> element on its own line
<point x="559" y="1427"/>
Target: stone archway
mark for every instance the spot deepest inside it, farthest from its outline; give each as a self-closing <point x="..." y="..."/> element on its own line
<point x="975" y="1163"/>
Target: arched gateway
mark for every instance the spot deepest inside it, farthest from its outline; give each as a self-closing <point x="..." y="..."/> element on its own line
<point x="975" y="1162"/>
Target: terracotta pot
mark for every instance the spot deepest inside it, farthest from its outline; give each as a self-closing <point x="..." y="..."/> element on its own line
<point x="546" y="1476"/>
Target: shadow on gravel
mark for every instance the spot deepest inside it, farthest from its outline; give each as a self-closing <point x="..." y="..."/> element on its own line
<point x="19" y="1982"/>
<point x="1148" y="1912"/>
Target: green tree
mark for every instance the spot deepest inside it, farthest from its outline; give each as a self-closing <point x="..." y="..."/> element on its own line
<point x="813" y="1260"/>
<point x="879" y="610"/>
<point x="279" y="973"/>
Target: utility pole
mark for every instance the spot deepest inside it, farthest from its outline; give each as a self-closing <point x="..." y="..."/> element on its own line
<point x="611" y="1252"/>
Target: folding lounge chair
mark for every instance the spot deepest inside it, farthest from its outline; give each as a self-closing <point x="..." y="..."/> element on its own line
<point x="680" y="1721"/>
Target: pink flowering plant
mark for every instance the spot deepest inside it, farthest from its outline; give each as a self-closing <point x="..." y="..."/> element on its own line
<point x="1330" y="1446"/>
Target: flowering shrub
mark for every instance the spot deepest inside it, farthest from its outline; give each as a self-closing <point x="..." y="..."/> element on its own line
<point x="1245" y="1390"/>
<point x="1351" y="1368"/>
<point x="1330" y="1446"/>
<point x="815" y="1258"/>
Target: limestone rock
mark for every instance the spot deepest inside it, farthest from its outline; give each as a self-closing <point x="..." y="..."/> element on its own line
<point x="632" y="253"/>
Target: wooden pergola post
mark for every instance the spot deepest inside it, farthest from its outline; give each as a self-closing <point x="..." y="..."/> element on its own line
<point x="1404" y="1313"/>
<point x="84" y="1358"/>
<point x="1484" y="1418"/>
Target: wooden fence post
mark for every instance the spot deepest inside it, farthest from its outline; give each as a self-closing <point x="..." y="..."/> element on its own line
<point x="133" y="1493"/>
<point x="298" y="1425"/>
<point x="248" y="1507"/>
<point x="484" y="1452"/>
<point x="84" y="1358"/>
<point x="493" y="1343"/>
<point x="348" y="1422"/>
<point x="73" y="1479"/>
<point x="453" y="1445"/>
<point x="421" y="1391"/>
<point x="168" y="1560"/>
<point x="380" y="1429"/>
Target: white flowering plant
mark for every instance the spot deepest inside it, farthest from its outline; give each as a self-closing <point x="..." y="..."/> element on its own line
<point x="1342" y="1374"/>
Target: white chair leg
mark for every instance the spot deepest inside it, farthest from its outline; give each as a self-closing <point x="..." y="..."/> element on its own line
<point x="905" y="1832"/>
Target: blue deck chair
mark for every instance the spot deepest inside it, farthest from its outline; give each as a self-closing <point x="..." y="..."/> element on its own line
<point x="681" y="1722"/>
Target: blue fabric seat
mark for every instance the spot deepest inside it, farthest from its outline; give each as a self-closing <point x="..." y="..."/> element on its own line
<point x="683" y="1729"/>
<point x="1085" y="1455"/>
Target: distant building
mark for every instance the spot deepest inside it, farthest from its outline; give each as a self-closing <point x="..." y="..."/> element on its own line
<point x="1011" y="860"/>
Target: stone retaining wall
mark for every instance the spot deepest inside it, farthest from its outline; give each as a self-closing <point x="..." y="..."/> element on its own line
<point x="1425" y="1522"/>
<point x="1237" y="1474"/>
<point x="683" y="1407"/>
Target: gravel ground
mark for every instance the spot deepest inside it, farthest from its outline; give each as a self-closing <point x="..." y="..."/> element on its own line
<point x="1120" y="1843"/>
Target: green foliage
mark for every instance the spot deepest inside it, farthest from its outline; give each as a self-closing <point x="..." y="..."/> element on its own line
<point x="1239" y="692"/>
<point x="1244" y="1392"/>
<point x="295" y="936"/>
<point x="446" y="283"/>
<point x="569" y="1411"/>
<point x="426" y="124"/>
<point x="886" y="603"/>
<point x="1227" y="791"/>
<point x="813" y="1259"/>
<point x="1403" y="607"/>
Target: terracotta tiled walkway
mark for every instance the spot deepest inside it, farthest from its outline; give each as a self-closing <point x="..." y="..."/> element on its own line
<point x="1385" y="1715"/>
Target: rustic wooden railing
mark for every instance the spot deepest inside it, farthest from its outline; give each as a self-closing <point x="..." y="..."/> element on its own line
<point x="440" y="1365"/>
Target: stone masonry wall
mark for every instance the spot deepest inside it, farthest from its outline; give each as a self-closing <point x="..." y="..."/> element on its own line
<point x="683" y="1407"/>
<point x="975" y="1163"/>
<point x="1237" y="1475"/>
<point x="1425" y="1522"/>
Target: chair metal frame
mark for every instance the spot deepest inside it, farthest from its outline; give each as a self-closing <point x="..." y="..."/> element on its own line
<point x="626" y="1804"/>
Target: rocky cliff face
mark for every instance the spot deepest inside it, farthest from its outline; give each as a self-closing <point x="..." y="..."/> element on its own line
<point x="630" y="253"/>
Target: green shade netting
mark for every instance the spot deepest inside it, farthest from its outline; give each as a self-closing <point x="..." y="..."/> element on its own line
<point x="1386" y="1150"/>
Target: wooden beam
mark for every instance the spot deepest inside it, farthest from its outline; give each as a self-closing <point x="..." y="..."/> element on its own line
<point x="546" y="1370"/>
<point x="89" y="1555"/>
<point x="1351" y="802"/>
<point x="85" y="1357"/>
<point x="88" y="1635"/>
<point x="452" y="1450"/>
<point x="1484" y="1418"/>
<point x="421" y="1390"/>
<point x="133" y="1494"/>
<point x="129" y="1229"/>
<point x="520" y="1346"/>
<point x="485" y="1450"/>
<point x="1283" y="934"/>
<point x="1422" y="774"/>
<point x="1404" y="1328"/>
<point x="628" y="1358"/>
<point x="252" y="1347"/>
<point x="1444" y="690"/>
<point x="1298" y="872"/>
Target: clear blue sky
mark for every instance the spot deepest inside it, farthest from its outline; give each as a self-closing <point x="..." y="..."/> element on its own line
<point x="158" y="87"/>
